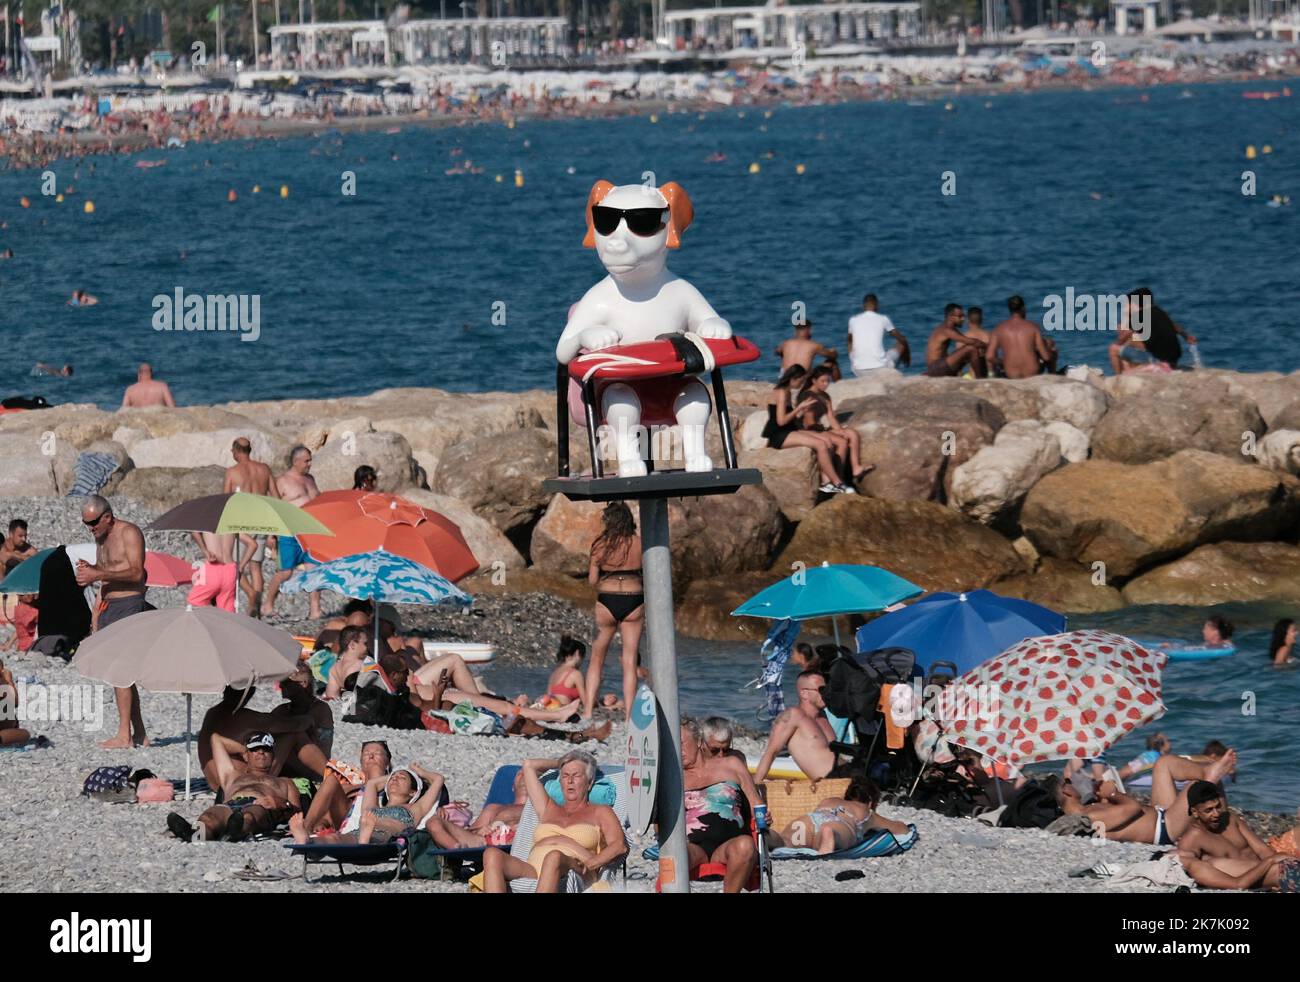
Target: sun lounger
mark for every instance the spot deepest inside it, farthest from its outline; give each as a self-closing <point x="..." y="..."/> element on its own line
<point x="879" y="843"/>
<point x="523" y="843"/>
<point x="395" y="852"/>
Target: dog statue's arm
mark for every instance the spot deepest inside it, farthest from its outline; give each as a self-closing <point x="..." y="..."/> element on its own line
<point x="701" y="318"/>
<point x="588" y="327"/>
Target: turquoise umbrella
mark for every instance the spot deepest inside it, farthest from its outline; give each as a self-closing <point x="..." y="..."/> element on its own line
<point x="826" y="590"/>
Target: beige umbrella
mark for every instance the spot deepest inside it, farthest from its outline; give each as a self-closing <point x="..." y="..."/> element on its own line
<point x="191" y="649"/>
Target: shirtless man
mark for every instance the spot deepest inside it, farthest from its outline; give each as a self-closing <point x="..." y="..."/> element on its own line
<point x="119" y="571"/>
<point x="147" y="391"/>
<point x="299" y="691"/>
<point x="939" y="361"/>
<point x="1219" y="850"/>
<point x="247" y="474"/>
<point x="296" y="753"/>
<point x="296" y="486"/>
<point x="802" y="349"/>
<point x="214" y="583"/>
<point x="975" y="326"/>
<point x="804" y="730"/>
<point x="255" y="799"/>
<point x="353" y="649"/>
<point x="80" y="298"/>
<point x="16" y="546"/>
<point x="1018" y="348"/>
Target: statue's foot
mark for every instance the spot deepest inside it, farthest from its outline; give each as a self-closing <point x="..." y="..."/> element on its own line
<point x="700" y="462"/>
<point x="631" y="468"/>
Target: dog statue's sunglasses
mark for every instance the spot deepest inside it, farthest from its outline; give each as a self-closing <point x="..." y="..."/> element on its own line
<point x="640" y="221"/>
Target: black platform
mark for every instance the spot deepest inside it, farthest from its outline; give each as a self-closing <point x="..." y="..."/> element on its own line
<point x="658" y="484"/>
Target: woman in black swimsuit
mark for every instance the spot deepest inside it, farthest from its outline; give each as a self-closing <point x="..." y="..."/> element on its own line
<point x="616" y="572"/>
<point x="783" y="428"/>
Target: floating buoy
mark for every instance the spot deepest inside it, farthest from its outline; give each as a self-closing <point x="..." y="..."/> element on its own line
<point x="1250" y="152"/>
<point x="500" y="179"/>
<point x="988" y="105"/>
<point x="257" y="189"/>
<point x="1267" y="149"/>
<point x="768" y="114"/>
<point x="59" y="198"/>
<point x="284" y="190"/>
<point x="24" y="202"/>
<point x="947" y="107"/>
<point x="231" y="196"/>
<point x="89" y="208"/>
<point x="754" y="168"/>
<point x="654" y="117"/>
<point x="510" y="124"/>
<point x="519" y="178"/>
<point x="799" y="168"/>
<point x="740" y="115"/>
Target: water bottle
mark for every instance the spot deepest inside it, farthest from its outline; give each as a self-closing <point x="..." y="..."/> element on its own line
<point x="1196" y="355"/>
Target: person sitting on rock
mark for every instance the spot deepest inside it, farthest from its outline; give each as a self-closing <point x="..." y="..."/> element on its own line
<point x="254" y="799"/>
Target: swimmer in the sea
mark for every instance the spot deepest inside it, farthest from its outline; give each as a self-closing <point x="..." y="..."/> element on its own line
<point x="40" y="368"/>
<point x="80" y="298"/>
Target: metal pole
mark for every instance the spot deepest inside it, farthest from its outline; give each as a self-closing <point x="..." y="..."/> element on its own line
<point x="657" y="575"/>
<point x="189" y="730"/>
<point x="238" y="577"/>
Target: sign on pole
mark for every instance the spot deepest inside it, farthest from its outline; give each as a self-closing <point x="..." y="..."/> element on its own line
<point x="642" y="760"/>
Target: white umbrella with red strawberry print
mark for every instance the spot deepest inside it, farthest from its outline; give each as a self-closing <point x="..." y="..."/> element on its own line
<point x="1049" y="698"/>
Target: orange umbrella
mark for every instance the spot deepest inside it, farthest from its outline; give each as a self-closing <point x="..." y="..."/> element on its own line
<point x="365" y="521"/>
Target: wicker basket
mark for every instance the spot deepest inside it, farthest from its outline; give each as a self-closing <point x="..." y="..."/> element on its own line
<point x="788" y="799"/>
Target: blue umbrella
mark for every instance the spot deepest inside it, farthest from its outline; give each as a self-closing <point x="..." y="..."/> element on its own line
<point x="826" y="590"/>
<point x="963" y="628"/>
<point x="377" y="576"/>
<point x="26" y="576"/>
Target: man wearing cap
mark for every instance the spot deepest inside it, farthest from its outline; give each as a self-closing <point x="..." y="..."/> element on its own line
<point x="254" y="799"/>
<point x="1219" y="850"/>
<point x="229" y="719"/>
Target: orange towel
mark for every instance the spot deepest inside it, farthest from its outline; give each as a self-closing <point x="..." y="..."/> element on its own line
<point x="895" y="735"/>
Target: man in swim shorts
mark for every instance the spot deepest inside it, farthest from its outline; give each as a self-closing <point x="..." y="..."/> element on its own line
<point x="214" y="582"/>
<point x="247" y="474"/>
<point x="1017" y="347"/>
<point x="119" y="571"/>
<point x="296" y="486"/>
<point x="255" y="800"/>
<point x="804" y="730"/>
<point x="1221" y="851"/>
<point x="939" y="361"/>
<point x="296" y="750"/>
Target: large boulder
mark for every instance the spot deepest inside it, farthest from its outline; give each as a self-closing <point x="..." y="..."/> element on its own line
<point x="876" y="384"/>
<point x="1060" y="399"/>
<point x="500" y="475"/>
<point x="704" y="608"/>
<point x="66" y="468"/>
<point x="531" y="580"/>
<point x="1065" y="587"/>
<point x="563" y="536"/>
<point x="917" y="440"/>
<point x="158" y="422"/>
<point x="790" y="475"/>
<point x="751" y="431"/>
<point x="724" y="533"/>
<point x="1074" y="442"/>
<point x="347" y="448"/>
<point x="1280" y="450"/>
<point x="990" y="486"/>
<point x="1159" y="417"/>
<point x="1287" y="419"/>
<point x="935" y="547"/>
<point x="1272" y="392"/>
<point x="1224" y="572"/>
<point x="162" y="488"/>
<point x="461" y="418"/>
<point x="32" y="462"/>
<point x="491" y="548"/>
<point x="202" y="449"/>
<point x="1131" y="516"/>
<point x="1015" y="399"/>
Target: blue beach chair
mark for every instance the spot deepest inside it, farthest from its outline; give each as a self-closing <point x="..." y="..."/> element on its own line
<point x="395" y="852"/>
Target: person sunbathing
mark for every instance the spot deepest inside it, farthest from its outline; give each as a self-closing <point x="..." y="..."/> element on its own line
<point x="804" y="730"/>
<point x="11" y="734"/>
<point x="841" y="823"/>
<point x="574" y="835"/>
<point x="299" y="691"/>
<point x="337" y="803"/>
<point x="495" y="825"/>
<point x="1170" y="770"/>
<point x="408" y="794"/>
<point x="1117" y="816"/>
<point x="716" y="828"/>
<point x="295" y="746"/>
<point x="565" y="685"/>
<point x="254" y="799"/>
<point x="1221" y="851"/>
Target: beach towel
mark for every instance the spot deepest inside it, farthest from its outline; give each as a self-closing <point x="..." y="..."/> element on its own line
<point x="876" y="845"/>
<point x="1167" y="871"/>
<point x="91" y="472"/>
<point x="776" y="650"/>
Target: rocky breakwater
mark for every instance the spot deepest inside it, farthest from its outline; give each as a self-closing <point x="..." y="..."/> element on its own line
<point x="1082" y="494"/>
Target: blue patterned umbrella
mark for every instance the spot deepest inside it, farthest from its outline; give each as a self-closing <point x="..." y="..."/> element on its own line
<point x="377" y="576"/>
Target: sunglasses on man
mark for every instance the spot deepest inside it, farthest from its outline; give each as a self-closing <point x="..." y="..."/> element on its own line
<point x="640" y="221"/>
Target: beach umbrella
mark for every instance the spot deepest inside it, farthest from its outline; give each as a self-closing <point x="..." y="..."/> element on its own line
<point x="188" y="650"/>
<point x="379" y="576"/>
<point x="369" y="521"/>
<point x="239" y="513"/>
<point x="160" y="569"/>
<point x="962" y="628"/>
<point x="826" y="591"/>
<point x="1049" y="698"/>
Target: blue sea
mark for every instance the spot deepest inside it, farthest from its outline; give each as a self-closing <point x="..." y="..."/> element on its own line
<point x="398" y="284"/>
<point x="406" y="282"/>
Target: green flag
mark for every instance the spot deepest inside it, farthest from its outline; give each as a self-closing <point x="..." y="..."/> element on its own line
<point x="214" y="14"/>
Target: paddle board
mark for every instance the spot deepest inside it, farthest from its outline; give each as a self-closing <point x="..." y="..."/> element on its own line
<point x="1188" y="650"/>
<point x="469" y="653"/>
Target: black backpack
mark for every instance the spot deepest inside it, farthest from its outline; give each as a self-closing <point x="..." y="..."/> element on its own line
<point x="1033" y="807"/>
<point x="375" y="707"/>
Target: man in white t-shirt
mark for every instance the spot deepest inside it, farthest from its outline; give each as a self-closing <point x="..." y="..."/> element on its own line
<point x="867" y="333"/>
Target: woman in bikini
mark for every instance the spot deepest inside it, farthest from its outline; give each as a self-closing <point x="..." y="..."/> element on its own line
<point x="572" y="835"/>
<point x="820" y="418"/>
<point x="615" y="570"/>
<point x="566" y="684"/>
<point x="841" y="823"/>
<point x="409" y="793"/>
<point x="784" y="428"/>
<point x="717" y="828"/>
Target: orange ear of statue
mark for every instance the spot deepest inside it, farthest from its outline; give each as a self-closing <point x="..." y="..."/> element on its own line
<point x="598" y="192"/>
<point x="680" y="212"/>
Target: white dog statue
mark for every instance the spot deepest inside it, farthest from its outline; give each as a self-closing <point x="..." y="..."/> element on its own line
<point x="632" y="227"/>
